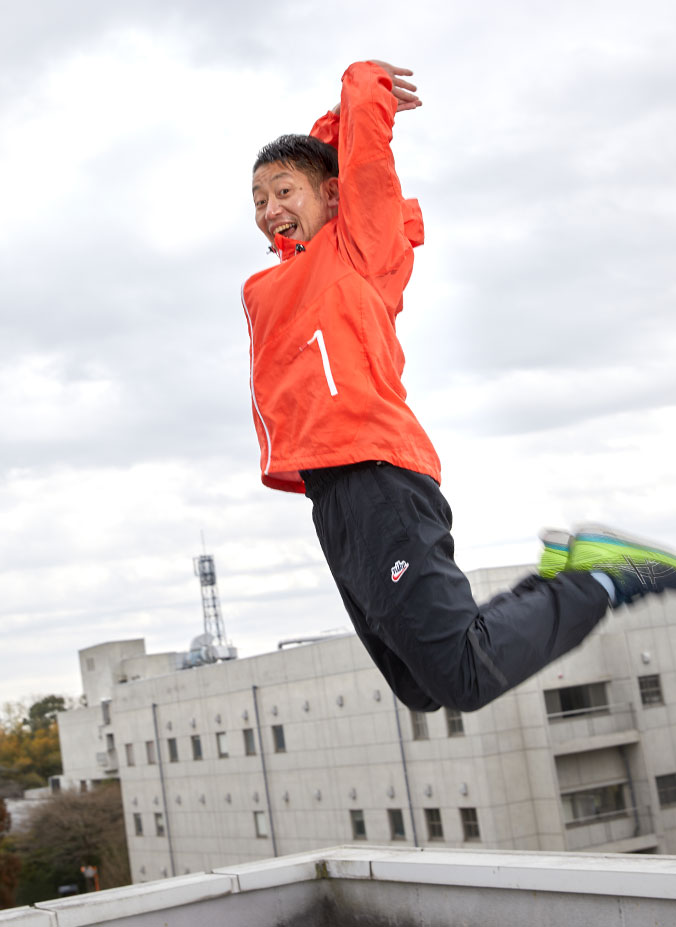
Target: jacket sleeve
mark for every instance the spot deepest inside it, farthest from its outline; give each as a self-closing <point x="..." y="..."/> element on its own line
<point x="326" y="129"/>
<point x="376" y="226"/>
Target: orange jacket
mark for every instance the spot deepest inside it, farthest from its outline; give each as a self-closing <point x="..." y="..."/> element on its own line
<point x="326" y="364"/>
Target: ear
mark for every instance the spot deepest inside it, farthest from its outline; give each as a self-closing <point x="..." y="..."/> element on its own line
<point x="331" y="188"/>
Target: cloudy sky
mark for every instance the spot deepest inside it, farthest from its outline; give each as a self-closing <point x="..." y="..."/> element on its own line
<point x="539" y="324"/>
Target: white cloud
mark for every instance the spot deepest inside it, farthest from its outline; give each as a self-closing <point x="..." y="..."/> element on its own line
<point x="538" y="324"/>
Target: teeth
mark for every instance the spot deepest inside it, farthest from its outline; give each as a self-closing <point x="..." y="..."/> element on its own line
<point x="283" y="228"/>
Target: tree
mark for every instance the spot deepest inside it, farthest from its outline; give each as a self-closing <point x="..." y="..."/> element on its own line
<point x="70" y="830"/>
<point x="43" y="713"/>
<point x="10" y="864"/>
<point x="29" y="743"/>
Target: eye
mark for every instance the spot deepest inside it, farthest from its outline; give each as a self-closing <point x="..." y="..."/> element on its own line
<point x="259" y="203"/>
<point x="284" y="191"/>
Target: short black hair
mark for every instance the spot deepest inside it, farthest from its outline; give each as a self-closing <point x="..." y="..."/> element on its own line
<point x="316" y="159"/>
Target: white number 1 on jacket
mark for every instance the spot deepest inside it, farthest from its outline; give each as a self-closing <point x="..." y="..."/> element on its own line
<point x="319" y="338"/>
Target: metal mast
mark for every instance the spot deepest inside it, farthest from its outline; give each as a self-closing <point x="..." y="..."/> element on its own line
<point x="211" y="606"/>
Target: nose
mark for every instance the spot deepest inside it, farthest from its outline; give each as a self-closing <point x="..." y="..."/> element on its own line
<point x="272" y="209"/>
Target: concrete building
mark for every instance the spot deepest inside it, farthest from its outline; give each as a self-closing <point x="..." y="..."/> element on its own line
<point x="295" y="750"/>
<point x="380" y="887"/>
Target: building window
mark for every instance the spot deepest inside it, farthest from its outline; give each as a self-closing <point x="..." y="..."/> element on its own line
<point x="358" y="824"/>
<point x="419" y="726"/>
<point x="249" y="742"/>
<point x="91" y="666"/>
<point x="129" y="751"/>
<point x="172" y="747"/>
<point x="110" y="742"/>
<point x="150" y="752"/>
<point x="435" y="830"/>
<point x="454" y="725"/>
<point x="222" y="743"/>
<point x="159" y="824"/>
<point x="587" y="806"/>
<point x="278" y="738"/>
<point x="105" y="711"/>
<point x="666" y="790"/>
<point x="138" y="824"/>
<point x="396" y="820"/>
<point x="571" y="701"/>
<point x="260" y="823"/>
<point x="470" y="824"/>
<point x="83" y="785"/>
<point x="651" y="690"/>
<point x="196" y="742"/>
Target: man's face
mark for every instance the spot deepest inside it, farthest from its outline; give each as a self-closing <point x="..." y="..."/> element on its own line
<point x="287" y="202"/>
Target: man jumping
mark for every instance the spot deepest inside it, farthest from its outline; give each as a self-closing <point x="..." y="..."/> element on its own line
<point x="332" y="421"/>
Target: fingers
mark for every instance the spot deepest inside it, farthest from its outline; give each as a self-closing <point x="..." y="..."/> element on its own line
<point x="404" y="96"/>
<point x="404" y="106"/>
<point x="393" y="69"/>
<point x="403" y="90"/>
<point x="405" y="99"/>
<point x="398" y="82"/>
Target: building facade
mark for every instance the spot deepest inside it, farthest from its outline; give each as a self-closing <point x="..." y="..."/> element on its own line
<point x="306" y="747"/>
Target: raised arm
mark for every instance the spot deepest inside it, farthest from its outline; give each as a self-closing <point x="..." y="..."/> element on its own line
<point x="326" y="127"/>
<point x="402" y="90"/>
<point x="377" y="227"/>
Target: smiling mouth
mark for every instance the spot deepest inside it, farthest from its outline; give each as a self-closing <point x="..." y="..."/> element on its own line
<point x="287" y="229"/>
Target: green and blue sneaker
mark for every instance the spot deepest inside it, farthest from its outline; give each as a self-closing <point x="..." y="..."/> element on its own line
<point x="555" y="554"/>
<point x="635" y="567"/>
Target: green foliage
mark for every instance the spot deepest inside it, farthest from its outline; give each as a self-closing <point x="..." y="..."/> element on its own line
<point x="29" y="742"/>
<point x="70" y="830"/>
<point x="10" y="865"/>
<point x="63" y="832"/>
<point x="42" y="713"/>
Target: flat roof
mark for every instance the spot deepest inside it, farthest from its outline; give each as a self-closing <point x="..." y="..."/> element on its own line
<point x="376" y="886"/>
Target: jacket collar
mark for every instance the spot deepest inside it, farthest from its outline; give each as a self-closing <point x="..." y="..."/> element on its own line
<point x="285" y="248"/>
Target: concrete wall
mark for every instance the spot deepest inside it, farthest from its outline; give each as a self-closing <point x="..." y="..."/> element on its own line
<point x="85" y="752"/>
<point x="372" y="887"/>
<point x="343" y="753"/>
<point x="99" y="667"/>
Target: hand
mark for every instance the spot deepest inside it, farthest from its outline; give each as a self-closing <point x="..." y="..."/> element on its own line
<point x="402" y="90"/>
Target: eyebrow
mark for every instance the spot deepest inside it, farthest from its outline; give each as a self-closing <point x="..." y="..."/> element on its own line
<point x="273" y="178"/>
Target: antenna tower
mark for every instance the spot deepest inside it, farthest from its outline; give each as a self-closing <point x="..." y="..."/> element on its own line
<point x="211" y="606"/>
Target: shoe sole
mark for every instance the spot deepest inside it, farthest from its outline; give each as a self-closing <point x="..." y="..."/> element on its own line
<point x="602" y="534"/>
<point x="556" y="539"/>
<point x="554" y="557"/>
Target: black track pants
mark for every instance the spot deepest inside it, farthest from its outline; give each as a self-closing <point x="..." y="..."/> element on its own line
<point x="385" y="533"/>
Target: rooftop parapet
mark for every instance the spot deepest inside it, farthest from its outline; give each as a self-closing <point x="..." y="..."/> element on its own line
<point x="346" y="886"/>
